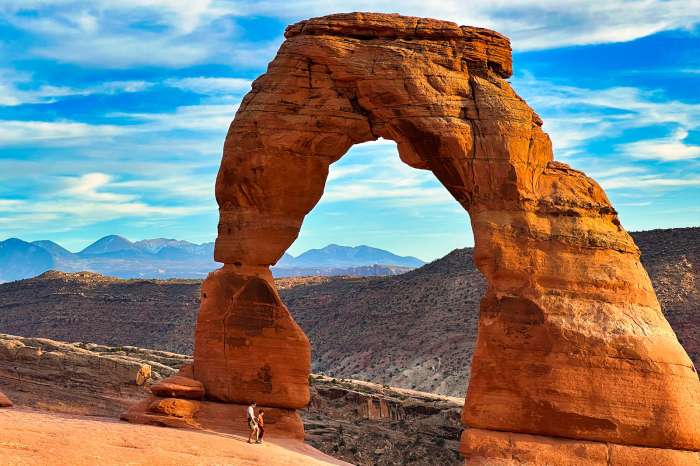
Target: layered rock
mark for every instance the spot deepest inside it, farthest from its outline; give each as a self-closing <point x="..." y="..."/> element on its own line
<point x="177" y="402"/>
<point x="572" y="342"/>
<point x="489" y="448"/>
<point x="80" y="378"/>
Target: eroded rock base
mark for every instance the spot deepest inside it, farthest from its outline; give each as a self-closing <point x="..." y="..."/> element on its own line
<point x="247" y="346"/>
<point x="491" y="448"/>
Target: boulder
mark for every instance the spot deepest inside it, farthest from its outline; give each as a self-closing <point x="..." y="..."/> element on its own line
<point x="5" y="402"/>
<point x="177" y="386"/>
<point x="173" y="407"/>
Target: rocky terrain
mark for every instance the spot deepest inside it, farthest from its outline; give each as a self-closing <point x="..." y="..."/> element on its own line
<point x="351" y="321"/>
<point x="360" y="422"/>
<point x="672" y="258"/>
<point x="87" y="306"/>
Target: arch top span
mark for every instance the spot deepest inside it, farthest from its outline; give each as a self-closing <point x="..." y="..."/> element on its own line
<point x="479" y="45"/>
<point x="572" y="342"/>
<point x="433" y="87"/>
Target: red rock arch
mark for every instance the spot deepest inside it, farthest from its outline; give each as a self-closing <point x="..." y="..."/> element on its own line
<point x="572" y="342"/>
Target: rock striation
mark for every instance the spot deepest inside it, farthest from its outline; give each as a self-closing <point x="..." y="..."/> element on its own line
<point x="79" y="378"/>
<point x="571" y="339"/>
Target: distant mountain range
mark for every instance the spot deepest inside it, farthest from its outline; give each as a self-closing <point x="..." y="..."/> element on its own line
<point x="169" y="258"/>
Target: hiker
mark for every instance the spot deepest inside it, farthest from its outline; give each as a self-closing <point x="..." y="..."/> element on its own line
<point x="261" y="425"/>
<point x="253" y="424"/>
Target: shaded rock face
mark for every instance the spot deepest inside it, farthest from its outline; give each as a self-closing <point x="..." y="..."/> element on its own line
<point x="572" y="342"/>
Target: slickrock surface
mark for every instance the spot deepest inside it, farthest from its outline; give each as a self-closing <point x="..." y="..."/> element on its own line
<point x="360" y="422"/>
<point x="39" y="438"/>
<point x="572" y="341"/>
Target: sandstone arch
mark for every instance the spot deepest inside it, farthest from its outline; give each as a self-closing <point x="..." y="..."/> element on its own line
<point x="572" y="342"/>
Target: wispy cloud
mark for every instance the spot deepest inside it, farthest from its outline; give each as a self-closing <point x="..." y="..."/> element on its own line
<point x="177" y="33"/>
<point x="648" y="181"/>
<point x="575" y="116"/>
<point x="20" y="88"/>
<point x="212" y="85"/>
<point x="670" y="149"/>
<point x="76" y="202"/>
<point x="20" y="132"/>
<point x="214" y="117"/>
<point x="375" y="173"/>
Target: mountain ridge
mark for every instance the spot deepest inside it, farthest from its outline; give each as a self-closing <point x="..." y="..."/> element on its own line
<point x="162" y="258"/>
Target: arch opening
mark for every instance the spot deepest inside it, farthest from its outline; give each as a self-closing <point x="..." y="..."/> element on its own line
<point x="373" y="198"/>
<point x="351" y="324"/>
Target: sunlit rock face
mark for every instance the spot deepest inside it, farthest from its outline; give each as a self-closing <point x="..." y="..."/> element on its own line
<point x="572" y="342"/>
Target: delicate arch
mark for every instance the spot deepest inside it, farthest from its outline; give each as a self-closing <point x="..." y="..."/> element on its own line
<point x="572" y="342"/>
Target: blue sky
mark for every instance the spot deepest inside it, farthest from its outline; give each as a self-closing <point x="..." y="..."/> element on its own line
<point x="113" y="115"/>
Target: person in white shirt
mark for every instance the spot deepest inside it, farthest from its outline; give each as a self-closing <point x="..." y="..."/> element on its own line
<point x="253" y="424"/>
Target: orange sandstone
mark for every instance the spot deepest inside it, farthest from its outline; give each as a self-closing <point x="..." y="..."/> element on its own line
<point x="572" y="342"/>
<point x="5" y="402"/>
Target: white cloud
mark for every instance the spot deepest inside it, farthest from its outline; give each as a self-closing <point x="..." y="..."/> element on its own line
<point x="89" y="187"/>
<point x="177" y="33"/>
<point x="531" y="24"/>
<point x="20" y="132"/>
<point x="212" y="85"/>
<point x="8" y="204"/>
<point x="648" y="181"/>
<point x="669" y="149"/>
<point x="374" y="171"/>
<point x="208" y="118"/>
<point x="574" y="116"/>
<point x="86" y="199"/>
<point x="20" y="88"/>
